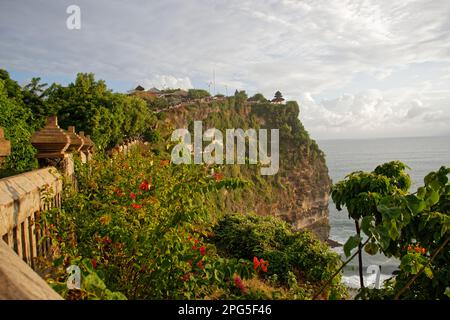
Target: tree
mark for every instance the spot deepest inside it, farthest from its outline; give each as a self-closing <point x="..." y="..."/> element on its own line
<point x="240" y="97"/>
<point x="14" y="118"/>
<point x="258" y="97"/>
<point x="35" y="96"/>
<point x="91" y="107"/>
<point x="13" y="90"/>
<point x="413" y="227"/>
<point x="360" y="192"/>
<point x="36" y="88"/>
<point x="198" y="94"/>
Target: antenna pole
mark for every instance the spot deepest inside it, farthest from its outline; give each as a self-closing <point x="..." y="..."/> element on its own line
<point x="214" y="81"/>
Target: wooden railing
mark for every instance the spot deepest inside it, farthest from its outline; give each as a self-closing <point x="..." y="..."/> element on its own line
<point x="22" y="198"/>
<point x="18" y="281"/>
<point x="23" y="235"/>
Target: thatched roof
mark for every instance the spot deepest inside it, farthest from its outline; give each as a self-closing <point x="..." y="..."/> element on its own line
<point x="154" y="90"/>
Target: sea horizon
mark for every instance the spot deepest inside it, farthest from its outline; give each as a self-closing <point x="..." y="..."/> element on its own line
<point x="382" y="138"/>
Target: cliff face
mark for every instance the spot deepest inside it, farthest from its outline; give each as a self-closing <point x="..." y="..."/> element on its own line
<point x="298" y="193"/>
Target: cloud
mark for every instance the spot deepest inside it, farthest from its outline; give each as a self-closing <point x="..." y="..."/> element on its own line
<point x="166" y="82"/>
<point x="381" y="74"/>
<point x="349" y="55"/>
<point x="416" y="109"/>
<point x="373" y="114"/>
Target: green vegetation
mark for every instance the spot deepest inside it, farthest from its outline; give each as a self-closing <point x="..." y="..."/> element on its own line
<point x="198" y="94"/>
<point x="87" y="104"/>
<point x="108" y="117"/>
<point x="142" y="228"/>
<point x="413" y="227"/>
<point x="240" y="97"/>
<point x="258" y="97"/>
<point x="17" y="121"/>
<point x="289" y="252"/>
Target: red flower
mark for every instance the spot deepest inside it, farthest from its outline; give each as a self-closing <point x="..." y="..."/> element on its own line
<point x="217" y="176"/>
<point x="144" y="186"/>
<point x="118" y="192"/>
<point x="264" y="265"/>
<point x="94" y="263"/>
<point x="424" y="250"/>
<point x="185" y="277"/>
<point x="132" y="196"/>
<point x="260" y="263"/>
<point x="200" y="265"/>
<point x="106" y="240"/>
<point x="202" y="250"/>
<point x="136" y="206"/>
<point x="255" y="263"/>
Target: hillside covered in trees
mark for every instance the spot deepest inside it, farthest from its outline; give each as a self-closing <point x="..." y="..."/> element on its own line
<point x="298" y="193"/>
<point x="122" y="205"/>
<point x="141" y="227"/>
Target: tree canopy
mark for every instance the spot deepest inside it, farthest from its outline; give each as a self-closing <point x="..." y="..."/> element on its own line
<point x="413" y="227"/>
<point x="87" y="103"/>
<point x="198" y="94"/>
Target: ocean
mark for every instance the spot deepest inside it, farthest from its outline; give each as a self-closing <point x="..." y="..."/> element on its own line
<point x="421" y="154"/>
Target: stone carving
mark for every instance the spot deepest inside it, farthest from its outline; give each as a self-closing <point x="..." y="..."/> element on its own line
<point x="51" y="141"/>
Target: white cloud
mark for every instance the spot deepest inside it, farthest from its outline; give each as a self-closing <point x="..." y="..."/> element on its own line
<point x="166" y="82"/>
<point x="372" y="114"/>
<point x="380" y="52"/>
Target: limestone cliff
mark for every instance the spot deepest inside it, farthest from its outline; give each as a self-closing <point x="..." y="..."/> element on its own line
<point x="299" y="192"/>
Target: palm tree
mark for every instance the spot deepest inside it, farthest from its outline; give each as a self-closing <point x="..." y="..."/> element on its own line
<point x="36" y="88"/>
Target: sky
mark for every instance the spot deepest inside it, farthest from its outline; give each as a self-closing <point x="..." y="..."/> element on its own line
<point x="359" y="69"/>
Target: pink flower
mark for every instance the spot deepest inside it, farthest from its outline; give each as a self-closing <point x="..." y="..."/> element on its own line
<point x="239" y="284"/>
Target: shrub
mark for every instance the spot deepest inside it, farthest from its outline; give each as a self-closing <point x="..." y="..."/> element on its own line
<point x="246" y="236"/>
<point x="14" y="118"/>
